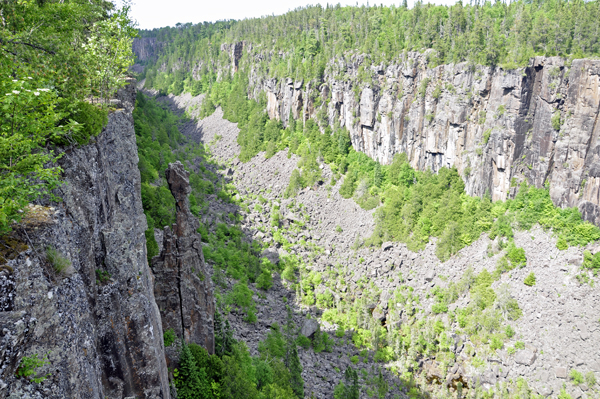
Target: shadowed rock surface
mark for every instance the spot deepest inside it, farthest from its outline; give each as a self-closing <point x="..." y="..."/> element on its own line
<point x="182" y="287"/>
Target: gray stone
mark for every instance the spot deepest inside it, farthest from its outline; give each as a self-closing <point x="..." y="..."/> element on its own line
<point x="309" y="327"/>
<point x="525" y="357"/>
<point x="560" y="372"/>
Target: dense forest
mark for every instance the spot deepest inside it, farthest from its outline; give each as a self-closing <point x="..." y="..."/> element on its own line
<point x="300" y="43"/>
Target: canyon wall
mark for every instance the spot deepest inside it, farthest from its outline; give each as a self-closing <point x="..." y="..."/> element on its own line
<point x="497" y="127"/>
<point x="96" y="324"/>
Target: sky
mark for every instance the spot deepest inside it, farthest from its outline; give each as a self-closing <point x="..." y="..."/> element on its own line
<point x="151" y="14"/>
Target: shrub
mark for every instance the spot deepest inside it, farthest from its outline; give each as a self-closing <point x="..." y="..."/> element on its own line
<point x="102" y="276"/>
<point x="303" y="341"/>
<point x="591" y="262"/>
<point x="296" y="183"/>
<point x="169" y="337"/>
<point x="90" y="117"/>
<point x="590" y="379"/>
<point x="354" y="359"/>
<point x="556" y="122"/>
<point x="562" y="244"/>
<point x="516" y="255"/>
<point x="530" y="280"/>
<point x="264" y="280"/>
<point x="29" y="364"/>
<point x="59" y="262"/>
<point x="486" y="136"/>
<point x="576" y="377"/>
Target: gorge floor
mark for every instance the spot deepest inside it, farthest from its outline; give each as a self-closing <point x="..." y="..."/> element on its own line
<point x="558" y="331"/>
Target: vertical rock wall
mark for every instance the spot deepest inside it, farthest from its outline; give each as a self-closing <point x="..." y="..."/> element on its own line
<point x="497" y="127"/>
<point x="97" y="323"/>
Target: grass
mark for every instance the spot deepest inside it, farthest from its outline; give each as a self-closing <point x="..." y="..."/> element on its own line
<point x="59" y="262"/>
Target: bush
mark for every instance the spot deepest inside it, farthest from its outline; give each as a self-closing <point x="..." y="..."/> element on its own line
<point x="562" y="244"/>
<point x="59" y="262"/>
<point x="91" y="118"/>
<point x="27" y="368"/>
<point x="591" y="262"/>
<point x="169" y="337"/>
<point x="576" y="377"/>
<point x="530" y="280"/>
<point x="303" y="341"/>
<point x="295" y="185"/>
<point x="264" y="280"/>
<point x="590" y="379"/>
<point x="516" y="255"/>
<point x="556" y="123"/>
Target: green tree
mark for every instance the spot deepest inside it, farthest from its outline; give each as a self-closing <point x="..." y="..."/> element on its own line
<point x="191" y="382"/>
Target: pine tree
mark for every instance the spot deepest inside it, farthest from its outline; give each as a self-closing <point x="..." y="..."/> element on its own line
<point x="290" y="339"/>
<point x="191" y="382"/>
<point x="352" y="388"/>
<point x="295" y="368"/>
<point x="223" y="335"/>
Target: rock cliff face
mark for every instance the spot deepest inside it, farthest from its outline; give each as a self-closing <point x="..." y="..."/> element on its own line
<point x="497" y="127"/>
<point x="183" y="288"/>
<point x="145" y="48"/>
<point x="97" y="323"/>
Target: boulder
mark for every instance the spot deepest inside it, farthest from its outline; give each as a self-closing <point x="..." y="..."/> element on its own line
<point x="525" y="357"/>
<point x="309" y="327"/>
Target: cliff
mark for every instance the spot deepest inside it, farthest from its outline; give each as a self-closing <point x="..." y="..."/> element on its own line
<point x="96" y="323"/>
<point x="497" y="127"/>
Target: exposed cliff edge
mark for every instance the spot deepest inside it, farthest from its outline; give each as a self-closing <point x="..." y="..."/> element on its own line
<point x="497" y="127"/>
<point x="97" y="323"/>
<point x="183" y="288"/>
<point x="538" y="123"/>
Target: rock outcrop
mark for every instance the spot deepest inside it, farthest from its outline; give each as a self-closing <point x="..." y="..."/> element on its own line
<point x="96" y="324"/>
<point x="182" y="286"/>
<point x="497" y="127"/>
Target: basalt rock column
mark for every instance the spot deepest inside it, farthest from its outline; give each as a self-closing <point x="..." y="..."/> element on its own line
<point x="182" y="286"/>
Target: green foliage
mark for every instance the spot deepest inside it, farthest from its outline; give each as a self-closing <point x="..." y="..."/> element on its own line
<point x="576" y="377"/>
<point x="591" y="262"/>
<point x="28" y="121"/>
<point x="59" y="262"/>
<point x="486" y="136"/>
<point x="561" y="243"/>
<point x="349" y="387"/>
<point x="191" y="382"/>
<point x="423" y="87"/>
<point x="530" y="280"/>
<point x="28" y="366"/>
<point x="295" y="185"/>
<point x="590" y="379"/>
<point x="265" y="279"/>
<point x="556" y="122"/>
<point x="169" y="337"/>
<point x="241" y="296"/>
<point x="102" y="276"/>
<point x="516" y="255"/>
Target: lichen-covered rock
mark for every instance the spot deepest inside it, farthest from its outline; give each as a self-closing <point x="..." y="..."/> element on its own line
<point x="182" y="286"/>
<point x="97" y="326"/>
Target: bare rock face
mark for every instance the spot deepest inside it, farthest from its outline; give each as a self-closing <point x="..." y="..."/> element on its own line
<point x="97" y="324"/>
<point x="497" y="127"/>
<point x="182" y="286"/>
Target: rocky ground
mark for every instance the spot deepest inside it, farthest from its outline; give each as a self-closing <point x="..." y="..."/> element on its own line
<point x="560" y="325"/>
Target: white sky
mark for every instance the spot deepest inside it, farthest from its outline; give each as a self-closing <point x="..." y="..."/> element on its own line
<point x="158" y="13"/>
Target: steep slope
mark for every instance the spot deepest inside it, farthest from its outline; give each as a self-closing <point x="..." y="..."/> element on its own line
<point x="531" y="354"/>
<point x="96" y="324"/>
